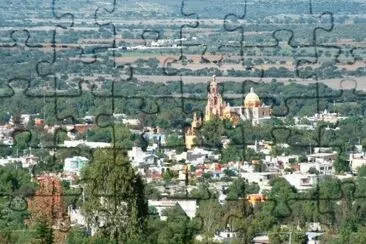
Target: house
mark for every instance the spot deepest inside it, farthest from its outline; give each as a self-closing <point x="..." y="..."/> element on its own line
<point x="155" y="137"/>
<point x="90" y="144"/>
<point x="138" y="157"/>
<point x="357" y="160"/>
<point x="172" y="155"/>
<point x="301" y="181"/>
<point x="82" y="128"/>
<point x="262" y="239"/>
<point x="325" y="168"/>
<point x="132" y="123"/>
<point x="200" y="155"/>
<point x="225" y="236"/>
<point x="322" y="157"/>
<point x="313" y="237"/>
<point x="261" y="178"/>
<point x="74" y="165"/>
<point x="27" y="161"/>
<point x="76" y="217"/>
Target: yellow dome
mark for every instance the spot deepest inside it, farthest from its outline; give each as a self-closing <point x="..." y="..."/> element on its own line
<point x="252" y="99"/>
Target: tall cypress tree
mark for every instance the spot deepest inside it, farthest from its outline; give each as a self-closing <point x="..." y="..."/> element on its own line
<point x="114" y="197"/>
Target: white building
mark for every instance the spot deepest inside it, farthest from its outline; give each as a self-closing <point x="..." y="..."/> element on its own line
<point x="261" y="239"/>
<point x="357" y="160"/>
<point x="325" y="168"/>
<point x="27" y="161"/>
<point x="74" y="165"/>
<point x="225" y="236"/>
<point x="200" y="155"/>
<point x="172" y="155"/>
<point x="301" y="181"/>
<point x="326" y="117"/>
<point x="261" y="178"/>
<point x="89" y="144"/>
<point x="322" y="157"/>
<point x="138" y="157"/>
<point x="76" y="217"/>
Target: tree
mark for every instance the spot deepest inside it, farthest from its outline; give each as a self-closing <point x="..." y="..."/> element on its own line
<point x="210" y="211"/>
<point x="281" y="189"/>
<point x="229" y="172"/>
<point x="313" y="170"/>
<point x="239" y="189"/>
<point x="15" y="182"/>
<point x="178" y="227"/>
<point x="231" y="154"/>
<point x="44" y="232"/>
<point x="362" y="171"/>
<point x="276" y="151"/>
<point x="168" y="175"/>
<point x="114" y="197"/>
<point x="209" y="135"/>
<point x="123" y="137"/>
<point x="175" y="142"/>
<point x="151" y="192"/>
<point x="47" y="210"/>
<point x="202" y="192"/>
<point x="340" y="164"/>
<point x="22" y="140"/>
<point x="77" y="235"/>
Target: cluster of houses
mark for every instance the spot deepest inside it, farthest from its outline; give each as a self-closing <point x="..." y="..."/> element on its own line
<point x="153" y="161"/>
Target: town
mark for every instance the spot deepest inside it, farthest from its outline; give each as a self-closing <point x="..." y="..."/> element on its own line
<point x="190" y="172"/>
<point x="182" y="121"/>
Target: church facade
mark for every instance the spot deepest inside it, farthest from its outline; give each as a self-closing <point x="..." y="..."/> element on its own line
<point x="252" y="109"/>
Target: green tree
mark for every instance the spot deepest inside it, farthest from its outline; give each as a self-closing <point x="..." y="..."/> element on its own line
<point x="362" y="171"/>
<point x="179" y="228"/>
<point x="175" y="142"/>
<point x="22" y="141"/>
<point x="77" y="235"/>
<point x="202" y="192"/>
<point x="210" y="134"/>
<point x="114" y="195"/>
<point x="231" y="154"/>
<point x="16" y="183"/>
<point x="151" y="192"/>
<point x="239" y="189"/>
<point x="313" y="170"/>
<point x="123" y="137"/>
<point x="210" y="211"/>
<point x="44" y="232"/>
<point x="341" y="164"/>
<point x="168" y="175"/>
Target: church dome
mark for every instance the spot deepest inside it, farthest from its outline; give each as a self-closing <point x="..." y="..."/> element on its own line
<point x="251" y="99"/>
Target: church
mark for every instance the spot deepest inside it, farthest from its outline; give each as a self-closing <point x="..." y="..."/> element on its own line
<point x="253" y="110"/>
